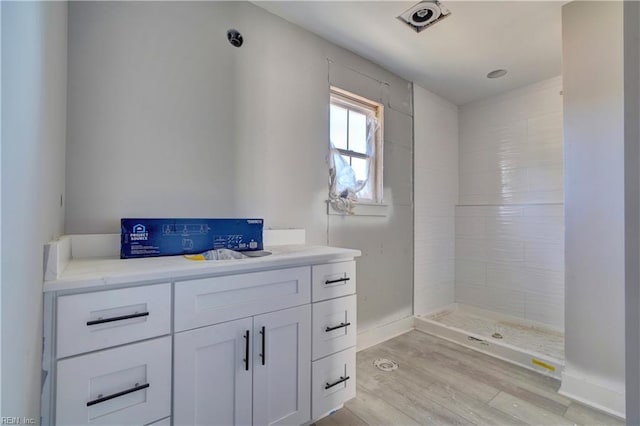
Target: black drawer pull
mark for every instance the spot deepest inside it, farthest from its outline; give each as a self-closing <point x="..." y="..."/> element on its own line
<point x="120" y="318"/>
<point x="342" y="324"/>
<point x="263" y="355"/>
<point x="339" y="280"/>
<point x="246" y="351"/>
<point x="330" y="385"/>
<point x="136" y="388"/>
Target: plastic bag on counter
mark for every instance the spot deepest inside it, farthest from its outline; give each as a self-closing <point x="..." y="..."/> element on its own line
<point x="218" y="254"/>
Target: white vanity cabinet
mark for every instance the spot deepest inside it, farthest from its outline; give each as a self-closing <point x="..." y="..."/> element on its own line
<point x="334" y="336"/>
<point x="180" y="343"/>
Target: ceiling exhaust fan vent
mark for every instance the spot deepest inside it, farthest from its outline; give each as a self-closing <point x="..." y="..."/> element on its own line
<point x="424" y="14"/>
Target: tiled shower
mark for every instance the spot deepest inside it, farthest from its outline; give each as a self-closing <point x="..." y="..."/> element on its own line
<point x="497" y="236"/>
<point x="509" y="224"/>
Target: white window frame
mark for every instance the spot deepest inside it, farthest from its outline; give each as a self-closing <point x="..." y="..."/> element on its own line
<point x="351" y="101"/>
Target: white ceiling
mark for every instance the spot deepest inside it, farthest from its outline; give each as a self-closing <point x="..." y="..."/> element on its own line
<point x="451" y="58"/>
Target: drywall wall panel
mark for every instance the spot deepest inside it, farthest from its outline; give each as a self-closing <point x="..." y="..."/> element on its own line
<point x="384" y="272"/>
<point x="0" y="224"/>
<point x="34" y="75"/>
<point x="594" y="203"/>
<point x="151" y="112"/>
<point x="281" y="94"/>
<point x="436" y="194"/>
<point x="166" y="118"/>
<point x="632" y="209"/>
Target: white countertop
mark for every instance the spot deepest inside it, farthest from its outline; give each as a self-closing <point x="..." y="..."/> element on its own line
<point x="105" y="272"/>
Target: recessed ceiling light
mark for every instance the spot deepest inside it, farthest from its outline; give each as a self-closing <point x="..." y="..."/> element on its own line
<point x="497" y="74"/>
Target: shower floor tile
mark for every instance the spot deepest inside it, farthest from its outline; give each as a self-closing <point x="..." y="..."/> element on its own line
<point x="514" y="332"/>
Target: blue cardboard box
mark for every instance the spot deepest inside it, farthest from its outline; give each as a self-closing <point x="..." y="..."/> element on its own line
<point x="170" y="237"/>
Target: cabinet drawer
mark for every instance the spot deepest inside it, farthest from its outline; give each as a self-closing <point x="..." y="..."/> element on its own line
<point x="128" y="385"/>
<point x="91" y="321"/>
<point x="333" y="382"/>
<point x="333" y="280"/>
<point x="213" y="300"/>
<point x="334" y="325"/>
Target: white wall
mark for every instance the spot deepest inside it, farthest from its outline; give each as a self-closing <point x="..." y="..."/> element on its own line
<point x="594" y="203"/>
<point x="0" y="221"/>
<point x="166" y="118"/>
<point x="151" y="113"/>
<point x="34" y="64"/>
<point x="632" y="209"/>
<point x="436" y="194"/>
<point x="510" y="221"/>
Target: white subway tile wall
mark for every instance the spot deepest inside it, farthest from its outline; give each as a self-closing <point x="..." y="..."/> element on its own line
<point x="511" y="147"/>
<point x="435" y="197"/>
<point x="512" y="263"/>
<point x="509" y="224"/>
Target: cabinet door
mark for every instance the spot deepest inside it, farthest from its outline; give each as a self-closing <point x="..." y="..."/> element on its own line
<point x="212" y="375"/>
<point x="282" y="372"/>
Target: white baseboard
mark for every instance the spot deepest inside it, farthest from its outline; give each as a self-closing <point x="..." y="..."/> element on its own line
<point x="594" y="393"/>
<point x="373" y="336"/>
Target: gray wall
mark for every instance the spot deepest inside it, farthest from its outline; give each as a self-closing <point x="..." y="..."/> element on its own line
<point x="166" y="118"/>
<point x="151" y="109"/>
<point x="632" y="208"/>
<point x="594" y="203"/>
<point x="34" y="53"/>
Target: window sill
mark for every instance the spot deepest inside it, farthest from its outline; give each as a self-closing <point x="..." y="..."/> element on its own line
<point x="362" y="209"/>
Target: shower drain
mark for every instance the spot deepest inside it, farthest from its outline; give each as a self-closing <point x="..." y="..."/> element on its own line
<point x="385" y="364"/>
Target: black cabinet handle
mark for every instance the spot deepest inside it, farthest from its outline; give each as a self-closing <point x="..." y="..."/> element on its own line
<point x="342" y="324"/>
<point x="120" y="318"/>
<point x="246" y="351"/>
<point x="263" y="355"/>
<point x="337" y="281"/>
<point x="342" y="379"/>
<point x="100" y="399"/>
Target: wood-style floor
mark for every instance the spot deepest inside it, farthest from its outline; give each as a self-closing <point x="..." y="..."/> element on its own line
<point x="441" y="383"/>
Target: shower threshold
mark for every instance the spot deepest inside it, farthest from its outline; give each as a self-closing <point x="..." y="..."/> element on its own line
<point x="521" y="342"/>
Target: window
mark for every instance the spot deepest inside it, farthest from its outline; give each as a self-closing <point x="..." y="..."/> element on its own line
<point x="355" y="133"/>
